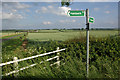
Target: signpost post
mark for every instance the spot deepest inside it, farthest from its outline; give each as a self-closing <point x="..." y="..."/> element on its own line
<point x="82" y="13"/>
<point x="87" y="35"/>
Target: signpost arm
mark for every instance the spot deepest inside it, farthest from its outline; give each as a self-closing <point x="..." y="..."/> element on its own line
<point x="87" y="34"/>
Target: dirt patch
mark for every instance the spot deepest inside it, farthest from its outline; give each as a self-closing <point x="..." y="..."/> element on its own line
<point x="24" y="44"/>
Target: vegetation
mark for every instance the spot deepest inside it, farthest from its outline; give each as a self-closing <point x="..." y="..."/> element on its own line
<point x="104" y="57"/>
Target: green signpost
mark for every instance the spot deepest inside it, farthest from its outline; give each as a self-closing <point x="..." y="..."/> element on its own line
<point x="80" y="13"/>
<point x="83" y="13"/>
<point x="91" y="20"/>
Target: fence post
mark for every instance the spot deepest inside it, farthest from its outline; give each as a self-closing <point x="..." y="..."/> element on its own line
<point x="58" y="59"/>
<point x="15" y="66"/>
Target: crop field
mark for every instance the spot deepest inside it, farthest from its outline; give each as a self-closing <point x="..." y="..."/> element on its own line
<point x="46" y="35"/>
<point x="104" y="54"/>
<point x="60" y="36"/>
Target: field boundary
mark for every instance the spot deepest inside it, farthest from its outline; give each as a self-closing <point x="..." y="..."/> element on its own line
<point x="10" y="34"/>
<point x="17" y="35"/>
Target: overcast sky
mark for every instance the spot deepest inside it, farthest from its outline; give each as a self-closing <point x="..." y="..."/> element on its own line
<point x="49" y="15"/>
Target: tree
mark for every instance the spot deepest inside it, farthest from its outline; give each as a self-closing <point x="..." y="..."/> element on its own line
<point x="92" y="28"/>
<point x="82" y="29"/>
<point x="66" y="2"/>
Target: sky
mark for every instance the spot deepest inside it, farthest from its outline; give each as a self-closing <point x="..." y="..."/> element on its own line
<point x="60" y="0"/>
<point x="50" y="15"/>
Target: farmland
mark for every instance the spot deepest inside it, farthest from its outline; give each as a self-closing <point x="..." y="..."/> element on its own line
<point x="104" y="53"/>
<point x="46" y="35"/>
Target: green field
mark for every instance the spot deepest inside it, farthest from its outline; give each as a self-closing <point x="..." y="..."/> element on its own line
<point x="46" y="35"/>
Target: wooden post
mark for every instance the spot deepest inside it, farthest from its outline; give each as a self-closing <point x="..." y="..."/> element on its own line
<point x="15" y="66"/>
<point x="58" y="59"/>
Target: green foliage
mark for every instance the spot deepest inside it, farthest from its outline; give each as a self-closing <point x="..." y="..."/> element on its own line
<point x="104" y="56"/>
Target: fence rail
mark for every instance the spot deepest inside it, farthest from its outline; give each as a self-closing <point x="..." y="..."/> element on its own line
<point x="19" y="60"/>
<point x="2" y="64"/>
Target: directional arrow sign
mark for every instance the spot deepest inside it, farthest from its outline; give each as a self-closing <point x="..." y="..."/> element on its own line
<point x="78" y="13"/>
<point x="91" y="20"/>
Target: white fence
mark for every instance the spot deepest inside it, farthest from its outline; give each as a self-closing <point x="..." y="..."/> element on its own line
<point x="15" y="61"/>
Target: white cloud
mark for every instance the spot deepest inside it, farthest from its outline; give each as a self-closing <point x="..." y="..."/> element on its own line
<point x="11" y="16"/>
<point x="14" y="10"/>
<point x="44" y="9"/>
<point x="27" y="10"/>
<point x="98" y="0"/>
<point x="47" y="23"/>
<point x="15" y="5"/>
<point x="67" y="21"/>
<point x="96" y="9"/>
<point x="21" y="6"/>
<point x="41" y="10"/>
<point x="37" y="11"/>
<point x="62" y="21"/>
<point x="50" y="6"/>
<point x="53" y="10"/>
<point x="107" y="12"/>
<point x="73" y="20"/>
<point x="63" y="10"/>
<point x="60" y="0"/>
